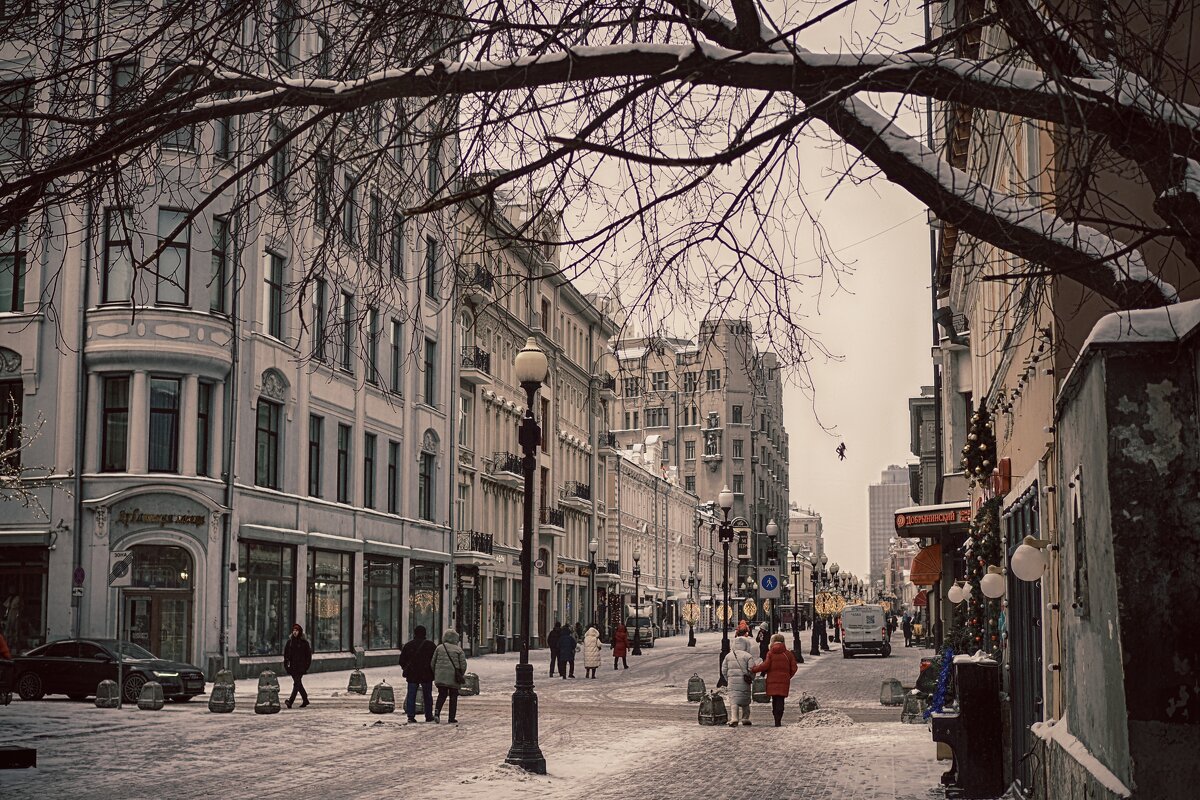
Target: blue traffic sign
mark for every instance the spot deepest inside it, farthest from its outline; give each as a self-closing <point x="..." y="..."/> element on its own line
<point x="768" y="583"/>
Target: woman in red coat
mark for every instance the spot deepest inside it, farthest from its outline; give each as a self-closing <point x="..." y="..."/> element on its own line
<point x="780" y="666"/>
<point x="620" y="643"/>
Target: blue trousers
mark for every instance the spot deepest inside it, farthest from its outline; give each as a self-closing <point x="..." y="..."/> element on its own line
<point x="410" y="700"/>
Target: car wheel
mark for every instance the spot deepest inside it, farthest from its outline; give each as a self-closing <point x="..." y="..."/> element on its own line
<point x="29" y="687"/>
<point x="183" y="699"/>
<point x="77" y="697"/>
<point x="845" y="653"/>
<point x="887" y="650"/>
<point x="133" y="688"/>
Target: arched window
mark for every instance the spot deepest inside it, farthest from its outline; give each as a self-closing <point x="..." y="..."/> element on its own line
<point x="543" y="561"/>
<point x="427" y="474"/>
<point x="268" y="429"/>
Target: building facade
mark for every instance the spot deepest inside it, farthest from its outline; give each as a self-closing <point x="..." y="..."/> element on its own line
<point x="883" y="498"/>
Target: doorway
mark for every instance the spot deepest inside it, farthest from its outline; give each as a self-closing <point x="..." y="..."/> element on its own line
<point x="157" y="612"/>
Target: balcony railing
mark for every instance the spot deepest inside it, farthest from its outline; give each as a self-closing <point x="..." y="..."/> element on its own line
<point x="476" y="276"/>
<point x="575" y="490"/>
<point x="507" y="462"/>
<point x="609" y="567"/>
<point x="476" y="358"/>
<point x="474" y="542"/>
<point x="608" y="439"/>
<point x="608" y="383"/>
<point x="553" y="516"/>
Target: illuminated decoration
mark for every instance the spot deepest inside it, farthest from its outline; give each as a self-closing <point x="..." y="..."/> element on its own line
<point x="767" y="606"/>
<point x="327" y="606"/>
<point x="424" y="600"/>
<point x="827" y="603"/>
<point x="750" y="608"/>
<point x="887" y="605"/>
<point x="724" y="611"/>
<point x="691" y="612"/>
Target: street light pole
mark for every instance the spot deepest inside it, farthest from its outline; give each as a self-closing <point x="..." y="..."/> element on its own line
<point x="794" y="559"/>
<point x="690" y="581"/>
<point x="725" y="532"/>
<point x="637" y="604"/>
<point x="773" y="560"/>
<point x="593" y="546"/>
<point x="524" y="752"/>
<point x="815" y="649"/>
<point x="833" y="576"/>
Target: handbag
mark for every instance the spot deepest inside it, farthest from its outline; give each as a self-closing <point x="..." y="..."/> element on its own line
<point x="747" y="675"/>
<point x="460" y="675"/>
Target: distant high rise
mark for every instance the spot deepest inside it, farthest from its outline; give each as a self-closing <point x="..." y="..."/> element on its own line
<point x="883" y="498"/>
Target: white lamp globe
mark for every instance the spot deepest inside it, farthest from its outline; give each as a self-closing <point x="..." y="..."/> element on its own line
<point x="531" y="363"/>
<point x="993" y="584"/>
<point x="955" y="595"/>
<point x="1027" y="562"/>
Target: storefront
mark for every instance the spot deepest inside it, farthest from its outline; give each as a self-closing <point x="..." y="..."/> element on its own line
<point x="23" y="581"/>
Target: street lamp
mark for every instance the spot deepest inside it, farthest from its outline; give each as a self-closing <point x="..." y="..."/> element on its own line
<point x="794" y="559"/>
<point x="818" y="574"/>
<point x="749" y="586"/>
<point x="837" y="585"/>
<point x="531" y="369"/>
<point x="689" y="581"/>
<point x="773" y="560"/>
<point x="593" y="546"/>
<point x="637" y="604"/>
<point x="725" y="532"/>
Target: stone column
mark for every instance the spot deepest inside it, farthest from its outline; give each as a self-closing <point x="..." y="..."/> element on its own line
<point x="139" y="422"/>
<point x="216" y="442"/>
<point x="189" y="408"/>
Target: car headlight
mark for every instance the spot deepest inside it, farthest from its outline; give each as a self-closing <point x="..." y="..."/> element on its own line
<point x="158" y="674"/>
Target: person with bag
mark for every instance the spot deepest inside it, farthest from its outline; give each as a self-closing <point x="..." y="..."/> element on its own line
<point x="620" y="646"/>
<point x="566" y="652"/>
<point x="591" y="652"/>
<point x="416" y="662"/>
<point x="779" y="665"/>
<point x="297" y="658"/>
<point x="449" y="674"/>
<point x="763" y="638"/>
<point x="736" y="669"/>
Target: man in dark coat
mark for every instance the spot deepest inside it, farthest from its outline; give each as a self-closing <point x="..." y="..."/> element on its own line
<point x="416" y="662"/>
<point x="906" y="626"/>
<point x="552" y="643"/>
<point x="566" y="652"/>
<point x="297" y="658"/>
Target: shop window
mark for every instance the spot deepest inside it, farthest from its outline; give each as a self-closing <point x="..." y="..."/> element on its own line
<point x="382" y="584"/>
<point x="266" y="610"/>
<point x="330" y="600"/>
<point x="23" y="575"/>
<point x="425" y="598"/>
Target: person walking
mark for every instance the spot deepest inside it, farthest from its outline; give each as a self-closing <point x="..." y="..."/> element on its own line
<point x="566" y="652"/>
<point x="620" y="646"/>
<point x="906" y="625"/>
<point x="297" y="658"/>
<point x="779" y="666"/>
<point x="764" y="640"/>
<point x="449" y="671"/>
<point x="591" y="652"/>
<point x="552" y="643"/>
<point x="578" y="631"/>
<point x="416" y="663"/>
<point x="736" y="669"/>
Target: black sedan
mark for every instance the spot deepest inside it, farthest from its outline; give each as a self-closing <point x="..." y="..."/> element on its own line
<point x="75" y="667"/>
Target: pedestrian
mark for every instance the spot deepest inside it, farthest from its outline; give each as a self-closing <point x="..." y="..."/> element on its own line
<point x="591" y="652"/>
<point x="824" y="633"/>
<point x="552" y="643"/>
<point x="736" y="670"/>
<point x="763" y="638"/>
<point x="578" y="631"/>
<point x="416" y="663"/>
<point x="449" y="671"/>
<point x="297" y="658"/>
<point x="906" y="625"/>
<point x="620" y="646"/>
<point x="779" y="666"/>
<point x="4" y="651"/>
<point x="566" y="652"/>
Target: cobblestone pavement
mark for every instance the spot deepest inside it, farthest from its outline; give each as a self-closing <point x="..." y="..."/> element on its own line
<point x="628" y="733"/>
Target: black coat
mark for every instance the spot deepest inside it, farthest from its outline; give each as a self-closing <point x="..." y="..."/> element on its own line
<point x="297" y="655"/>
<point x="416" y="661"/>
<point x="552" y="639"/>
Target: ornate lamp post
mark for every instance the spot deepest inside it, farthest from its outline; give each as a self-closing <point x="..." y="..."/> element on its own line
<point x="637" y="604"/>
<point x="818" y="572"/>
<point x="725" y="532"/>
<point x="689" y="581"/>
<point x="749" y="587"/>
<point x="795" y="561"/>
<point x="773" y="560"/>
<point x="837" y="585"/>
<point x="593" y="546"/>
<point x="531" y="369"/>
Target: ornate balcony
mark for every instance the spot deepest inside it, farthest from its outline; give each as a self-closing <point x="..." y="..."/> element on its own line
<point x="577" y="495"/>
<point x="475" y="365"/>
<point x="506" y="468"/>
<point x="607" y="440"/>
<point x="476" y="282"/>
<point x="608" y="386"/>
<point x="553" y="521"/>
<point x="472" y="547"/>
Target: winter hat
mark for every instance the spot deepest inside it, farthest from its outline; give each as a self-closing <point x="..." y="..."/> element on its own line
<point x="743" y="629"/>
<point x="419" y="632"/>
<point x="450" y="637"/>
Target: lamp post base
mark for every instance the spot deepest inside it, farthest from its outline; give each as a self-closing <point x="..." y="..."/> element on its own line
<point x="797" y="648"/>
<point x="524" y="751"/>
<point x="691" y="636"/>
<point x="721" y="681"/>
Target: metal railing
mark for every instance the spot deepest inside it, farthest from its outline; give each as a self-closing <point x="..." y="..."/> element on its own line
<point x="577" y="490"/>
<point x="609" y="567"/>
<point x="476" y="358"/>
<point x="608" y="382"/>
<point x="476" y="275"/>
<point x="553" y="516"/>
<point x="507" y="462"/>
<point x="473" y="542"/>
<point x="608" y="439"/>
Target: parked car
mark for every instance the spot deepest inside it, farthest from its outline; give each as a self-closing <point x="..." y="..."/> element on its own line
<point x="864" y="630"/>
<point x="75" y="667"/>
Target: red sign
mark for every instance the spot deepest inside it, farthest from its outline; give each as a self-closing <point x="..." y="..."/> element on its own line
<point x="946" y="517"/>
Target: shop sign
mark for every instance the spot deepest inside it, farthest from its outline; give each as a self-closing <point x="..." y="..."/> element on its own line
<point x="939" y="517"/>
<point x="158" y="511"/>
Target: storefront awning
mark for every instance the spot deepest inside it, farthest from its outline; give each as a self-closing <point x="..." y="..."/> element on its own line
<point x="927" y="566"/>
<point x="922" y="599"/>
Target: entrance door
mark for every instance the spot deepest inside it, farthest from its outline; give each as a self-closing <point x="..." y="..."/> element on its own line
<point x="160" y="622"/>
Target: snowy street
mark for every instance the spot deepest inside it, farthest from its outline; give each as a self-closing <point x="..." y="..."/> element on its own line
<point x="627" y="732"/>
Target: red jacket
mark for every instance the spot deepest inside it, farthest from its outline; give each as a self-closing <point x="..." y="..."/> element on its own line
<point x="780" y="666"/>
<point x="620" y="642"/>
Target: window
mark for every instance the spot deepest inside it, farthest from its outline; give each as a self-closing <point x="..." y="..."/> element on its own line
<point x="739" y="484"/>
<point x="316" y="430"/>
<point x="279" y="160"/>
<point x="425" y="598"/>
<point x="117" y="286"/>
<point x="632" y="387"/>
<point x="10" y="423"/>
<point x="330" y="600"/>
<point x="275" y="295"/>
<point x="266" y="444"/>
<point x="627" y="421"/>
<point x="322" y="181"/>
<point x="12" y="269"/>
<point x="320" y="318"/>
<point x="372" y="365"/>
<point x="393" y="478"/>
<point x="184" y="137"/>
<point x="397" y="255"/>
<point x="382" y="605"/>
<point x="635" y="420"/>
<point x="346" y="359"/>
<point x="285" y="32"/>
<point x="737" y="414"/>
<point x="737" y="448"/>
<point x="397" y="355"/>
<point x="431" y="267"/>
<point x="171" y="282"/>
<point x="425" y="487"/>
<point x="712" y="378"/>
<point x="689" y="483"/>
<point x="690" y="382"/>
<point x="659" y="379"/>
<point x="164" y="425"/>
<point x="434" y="166"/>
<point x="122" y="86"/>
<point x="656" y="418"/>
<point x="349" y="207"/>
<point x="430" y="372"/>
<point x="375" y="228"/>
<point x="369" y="470"/>
<point x="14" y="124"/>
<point x="218" y="279"/>
<point x="204" y="428"/>
<point x="324" y="54"/>
<point x="224" y="133"/>
<point x="464" y="420"/>
<point x="689" y="450"/>
<point x="114" y="424"/>
<point x="343" y="463"/>
<point x="266" y="610"/>
<point x="762" y="422"/>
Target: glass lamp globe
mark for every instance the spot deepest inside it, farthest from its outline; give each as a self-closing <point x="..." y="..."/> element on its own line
<point x="725" y="499"/>
<point x="955" y="594"/>
<point x="531" y="364"/>
<point x="1027" y="562"/>
<point x="992" y="584"/>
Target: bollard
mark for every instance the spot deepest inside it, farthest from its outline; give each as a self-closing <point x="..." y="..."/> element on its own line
<point x="151" y="696"/>
<point x="806" y="702"/>
<point x="891" y="693"/>
<point x="712" y="710"/>
<point x="470" y="687"/>
<point x="358" y="682"/>
<point x="107" y="695"/>
<point x="914" y="708"/>
<point x="5" y="698"/>
<point x="695" y="688"/>
<point x="383" y="699"/>
<point x="225" y="676"/>
<point x="268" y="694"/>
<point x="221" y="698"/>
<point x="760" y="688"/>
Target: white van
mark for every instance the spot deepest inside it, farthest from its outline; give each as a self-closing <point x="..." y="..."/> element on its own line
<point x="865" y="630"/>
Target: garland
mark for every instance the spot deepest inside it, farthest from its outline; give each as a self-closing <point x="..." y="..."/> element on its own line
<point x="938" y="703"/>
